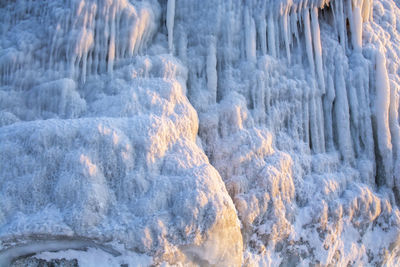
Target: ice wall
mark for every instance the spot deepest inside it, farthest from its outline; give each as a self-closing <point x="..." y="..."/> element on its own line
<point x="296" y="107"/>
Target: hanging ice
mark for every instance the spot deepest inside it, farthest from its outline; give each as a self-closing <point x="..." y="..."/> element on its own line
<point x="170" y="23"/>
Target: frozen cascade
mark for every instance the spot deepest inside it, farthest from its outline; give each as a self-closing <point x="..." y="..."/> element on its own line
<point x="314" y="89"/>
<point x="287" y="153"/>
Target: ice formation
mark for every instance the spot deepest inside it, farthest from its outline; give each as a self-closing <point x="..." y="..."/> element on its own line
<point x="214" y="132"/>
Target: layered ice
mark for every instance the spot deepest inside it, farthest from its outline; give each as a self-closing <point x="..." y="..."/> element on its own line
<point x="207" y="132"/>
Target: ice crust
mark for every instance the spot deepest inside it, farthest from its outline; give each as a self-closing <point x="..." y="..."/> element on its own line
<point x="212" y="132"/>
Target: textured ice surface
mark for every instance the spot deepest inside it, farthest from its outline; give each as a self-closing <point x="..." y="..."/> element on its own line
<point x="287" y="153"/>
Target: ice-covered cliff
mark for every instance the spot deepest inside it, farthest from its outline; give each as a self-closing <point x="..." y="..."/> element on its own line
<point x="212" y="133"/>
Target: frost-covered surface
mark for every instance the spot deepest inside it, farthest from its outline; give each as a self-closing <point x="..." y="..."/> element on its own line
<point x="294" y="104"/>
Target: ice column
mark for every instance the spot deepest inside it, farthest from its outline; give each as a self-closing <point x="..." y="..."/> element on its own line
<point x="271" y="35"/>
<point x="262" y="29"/>
<point x="328" y="104"/>
<point x="286" y="33"/>
<point x="356" y="24"/>
<point x="211" y="68"/>
<point x="341" y="110"/>
<point x="316" y="120"/>
<point x="317" y="48"/>
<point x="308" y="38"/>
<point x="340" y="22"/>
<point x="111" y="48"/>
<point x="250" y="31"/>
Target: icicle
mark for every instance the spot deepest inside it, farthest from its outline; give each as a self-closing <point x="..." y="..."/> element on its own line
<point x="320" y="124"/>
<point x="382" y="104"/>
<point x="111" y="48"/>
<point x="342" y="115"/>
<point x="328" y="104"/>
<point x="306" y="117"/>
<point x="316" y="123"/>
<point x="354" y="111"/>
<point x="262" y="29"/>
<point x="212" y="75"/>
<point x="307" y="34"/>
<point x="340" y="22"/>
<point x="286" y="34"/>
<point x="170" y="23"/>
<point x="271" y="36"/>
<point x="317" y="48"/>
<point x="356" y="26"/>
<point x="265" y="86"/>
<point x="315" y="144"/>
<point x="294" y="19"/>
<point x="250" y="39"/>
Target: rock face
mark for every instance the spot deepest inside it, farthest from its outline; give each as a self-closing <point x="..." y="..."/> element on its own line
<point x="212" y="133"/>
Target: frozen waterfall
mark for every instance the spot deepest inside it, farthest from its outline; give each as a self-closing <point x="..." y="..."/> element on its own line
<point x="214" y="132"/>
